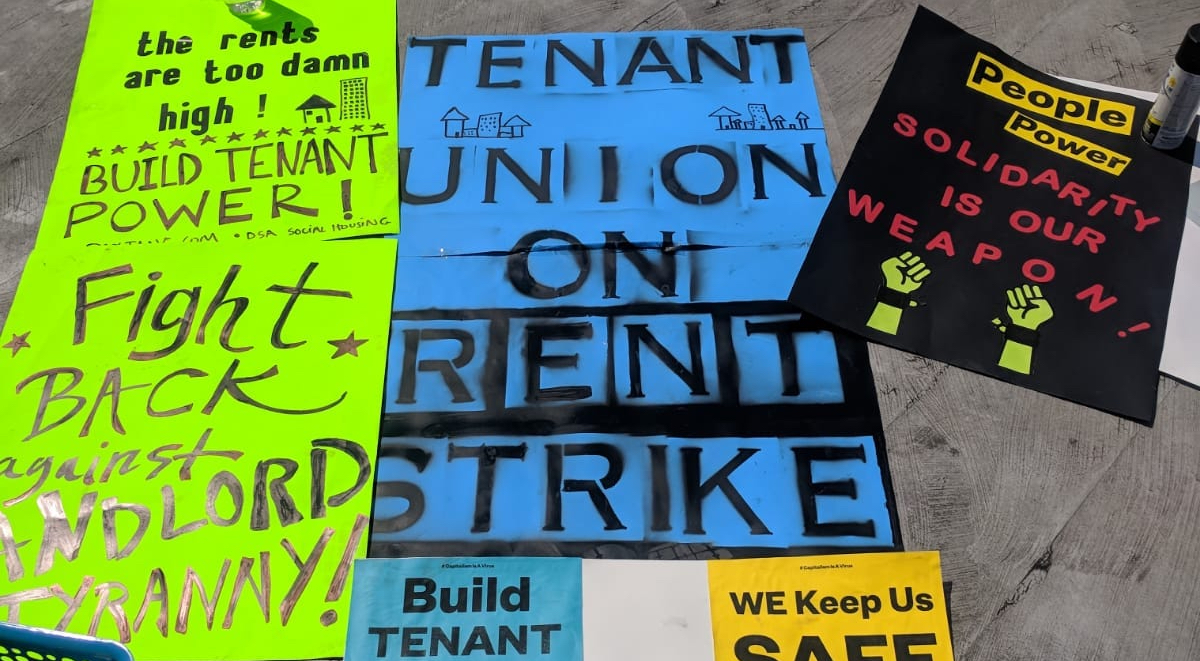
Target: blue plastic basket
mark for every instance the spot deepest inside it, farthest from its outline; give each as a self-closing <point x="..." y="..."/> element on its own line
<point x="20" y="643"/>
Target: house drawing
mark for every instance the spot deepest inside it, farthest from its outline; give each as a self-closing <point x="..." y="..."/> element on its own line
<point x="489" y="125"/>
<point x="759" y="119"/>
<point x="316" y="109"/>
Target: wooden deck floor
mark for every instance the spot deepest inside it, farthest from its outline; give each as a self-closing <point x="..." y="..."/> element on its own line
<point x="1067" y="533"/>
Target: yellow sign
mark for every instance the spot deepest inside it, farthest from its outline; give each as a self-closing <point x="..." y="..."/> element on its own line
<point x="1043" y="135"/>
<point x="830" y="608"/>
<point x="244" y="122"/>
<point x="1000" y="82"/>
<point x="187" y="444"/>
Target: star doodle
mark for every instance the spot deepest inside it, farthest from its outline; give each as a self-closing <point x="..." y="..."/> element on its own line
<point x="348" y="346"/>
<point x="118" y="150"/>
<point x="333" y="129"/>
<point x="377" y="127"/>
<point x="284" y="131"/>
<point x="357" y="128"/>
<point x="308" y="130"/>
<point x="234" y="136"/>
<point x="207" y="139"/>
<point x="261" y="133"/>
<point x="93" y="152"/>
<point x="178" y="142"/>
<point x="147" y="146"/>
<point x="21" y="341"/>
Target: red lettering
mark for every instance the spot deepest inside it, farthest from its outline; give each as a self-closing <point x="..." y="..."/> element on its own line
<point x="943" y="241"/>
<point x="961" y="154"/>
<point x="1025" y="221"/>
<point x="969" y="204"/>
<point x="1048" y="177"/>
<point x="859" y="205"/>
<point x="943" y="138"/>
<point x="1064" y="233"/>
<point x="947" y="196"/>
<point x="1077" y="193"/>
<point x="905" y="125"/>
<point x="1121" y="203"/>
<point x="1045" y="274"/>
<point x="903" y="227"/>
<point x="985" y="251"/>
<point x="1021" y="176"/>
<point x="1142" y="221"/>
<point x="1092" y="237"/>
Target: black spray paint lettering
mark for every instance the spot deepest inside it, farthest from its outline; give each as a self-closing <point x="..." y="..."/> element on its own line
<point x="661" y="275"/>
<point x="410" y="492"/>
<point x="538" y="181"/>
<point x="502" y="61"/>
<point x="540" y="355"/>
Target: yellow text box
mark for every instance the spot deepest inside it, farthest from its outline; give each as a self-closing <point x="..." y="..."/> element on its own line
<point x="882" y="605"/>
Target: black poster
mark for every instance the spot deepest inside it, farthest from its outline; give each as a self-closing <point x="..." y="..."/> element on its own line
<point x="1005" y="221"/>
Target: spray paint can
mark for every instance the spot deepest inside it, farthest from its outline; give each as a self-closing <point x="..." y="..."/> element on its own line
<point x="1169" y="119"/>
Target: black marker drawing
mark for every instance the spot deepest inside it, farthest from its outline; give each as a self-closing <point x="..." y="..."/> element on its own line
<point x="354" y="99"/>
<point x="17" y="343"/>
<point x="316" y="109"/>
<point x="491" y="125"/>
<point x="760" y="120"/>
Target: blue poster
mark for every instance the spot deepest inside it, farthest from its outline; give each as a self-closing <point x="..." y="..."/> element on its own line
<point x="591" y="352"/>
